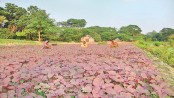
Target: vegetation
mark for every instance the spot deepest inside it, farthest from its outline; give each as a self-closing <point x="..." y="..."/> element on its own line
<point x="163" y="50"/>
<point x="35" y="24"/>
<point x="9" y="42"/>
<point x="20" y="26"/>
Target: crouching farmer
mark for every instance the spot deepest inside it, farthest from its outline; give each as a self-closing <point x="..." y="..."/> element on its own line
<point x="113" y="44"/>
<point x="46" y="45"/>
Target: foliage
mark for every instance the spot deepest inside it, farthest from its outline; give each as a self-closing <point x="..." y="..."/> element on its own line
<point x="73" y="23"/>
<point x="162" y="50"/>
<point x="20" y="35"/>
<point x="124" y="37"/>
<point x="106" y="33"/>
<point x="6" y="42"/>
<point x="166" y="32"/>
<point x="132" y="30"/>
<point x="41" y="23"/>
<point x="96" y="36"/>
<point x="157" y="43"/>
<point x="37" y="25"/>
<point x="102" y="43"/>
<point x="76" y="22"/>
<point x="92" y="33"/>
<point x="65" y="70"/>
<point x="164" y="35"/>
<point x="6" y="34"/>
<point x="40" y="92"/>
<point x="71" y="34"/>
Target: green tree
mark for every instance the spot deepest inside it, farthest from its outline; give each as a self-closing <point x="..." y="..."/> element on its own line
<point x="106" y="33"/>
<point x="39" y="21"/>
<point x="14" y="14"/>
<point x="22" y="23"/>
<point x="132" y="30"/>
<point x="76" y="22"/>
<point x="6" y="34"/>
<point x="3" y="15"/>
<point x="166" y="32"/>
<point x="3" y="20"/>
<point x="71" y="34"/>
<point x="62" y="24"/>
<point x="153" y="36"/>
<point x="93" y="34"/>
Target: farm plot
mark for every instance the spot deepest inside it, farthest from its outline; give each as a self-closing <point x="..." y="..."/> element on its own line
<point x="68" y="71"/>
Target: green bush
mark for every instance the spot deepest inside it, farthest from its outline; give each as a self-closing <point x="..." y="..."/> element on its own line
<point x="20" y="35"/>
<point x="157" y="43"/>
<point x="162" y="50"/>
<point x="171" y="42"/>
<point x="124" y="37"/>
<point x="6" y="34"/>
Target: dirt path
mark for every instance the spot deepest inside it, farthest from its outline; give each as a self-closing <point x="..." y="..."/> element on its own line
<point x="69" y="70"/>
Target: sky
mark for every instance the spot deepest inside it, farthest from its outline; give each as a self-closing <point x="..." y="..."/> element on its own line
<point x="149" y="15"/>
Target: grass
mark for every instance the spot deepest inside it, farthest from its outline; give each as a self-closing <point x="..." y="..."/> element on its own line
<point x="163" y="50"/>
<point x="161" y="53"/>
<point x="102" y="43"/>
<point x="13" y="42"/>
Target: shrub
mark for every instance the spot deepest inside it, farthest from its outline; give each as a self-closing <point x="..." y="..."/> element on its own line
<point x="20" y="35"/>
<point x="157" y="43"/>
<point x="6" y="34"/>
<point x="162" y="50"/>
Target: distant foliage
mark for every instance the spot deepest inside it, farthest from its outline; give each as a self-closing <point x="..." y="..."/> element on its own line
<point x="7" y="34"/>
<point x="35" y="24"/>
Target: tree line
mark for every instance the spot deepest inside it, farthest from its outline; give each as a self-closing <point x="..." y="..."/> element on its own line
<point x="34" y="23"/>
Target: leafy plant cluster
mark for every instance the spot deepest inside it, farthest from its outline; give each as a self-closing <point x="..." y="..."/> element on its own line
<point x="163" y="50"/>
<point x="71" y="71"/>
<point x="34" y="23"/>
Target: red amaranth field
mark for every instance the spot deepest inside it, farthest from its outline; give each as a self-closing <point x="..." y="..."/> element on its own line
<point x="69" y="70"/>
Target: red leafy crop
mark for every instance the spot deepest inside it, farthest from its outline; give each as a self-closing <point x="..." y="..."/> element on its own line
<point x="87" y="89"/>
<point x="118" y="88"/>
<point x="69" y="70"/>
<point x="98" y="81"/>
<point x="6" y="81"/>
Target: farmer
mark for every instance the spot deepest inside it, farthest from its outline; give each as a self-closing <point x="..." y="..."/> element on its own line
<point x="46" y="45"/>
<point x="113" y="44"/>
<point x="84" y="44"/>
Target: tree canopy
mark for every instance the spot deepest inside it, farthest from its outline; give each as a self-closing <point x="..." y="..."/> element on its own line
<point x="73" y="23"/>
<point x="34" y="23"/>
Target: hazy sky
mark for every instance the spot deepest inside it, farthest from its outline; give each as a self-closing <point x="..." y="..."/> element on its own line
<point x="147" y="14"/>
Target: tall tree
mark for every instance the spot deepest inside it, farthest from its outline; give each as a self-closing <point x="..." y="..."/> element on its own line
<point x="62" y="24"/>
<point x="132" y="30"/>
<point x="76" y="22"/>
<point x="166" y="32"/>
<point x="3" y="15"/>
<point x="39" y="21"/>
<point x="106" y="33"/>
<point x="14" y="15"/>
<point x="3" y="20"/>
<point x="153" y="36"/>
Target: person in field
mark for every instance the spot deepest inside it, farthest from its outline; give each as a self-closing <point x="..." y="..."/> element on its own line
<point x="46" y="45"/>
<point x="84" y="44"/>
<point x="85" y="41"/>
<point x="113" y="44"/>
